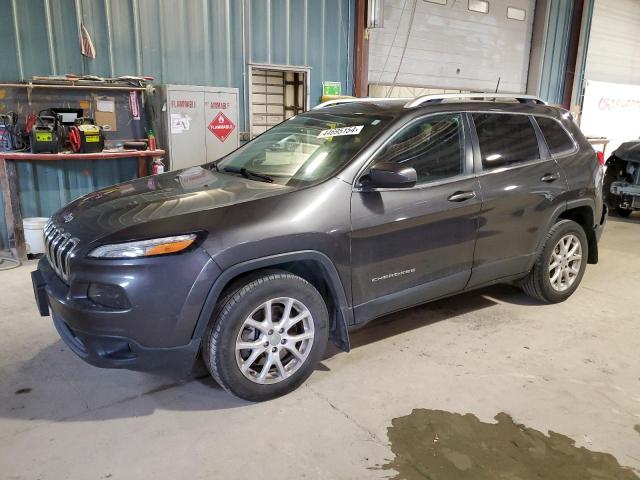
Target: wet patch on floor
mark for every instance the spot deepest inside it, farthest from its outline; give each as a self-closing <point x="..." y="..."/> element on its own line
<point x="439" y="445"/>
<point x="637" y="428"/>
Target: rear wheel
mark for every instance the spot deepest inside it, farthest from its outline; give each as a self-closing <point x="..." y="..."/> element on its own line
<point x="267" y="336"/>
<point x="560" y="265"/>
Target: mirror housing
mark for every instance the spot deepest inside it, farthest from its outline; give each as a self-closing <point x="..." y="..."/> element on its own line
<point x="390" y="175"/>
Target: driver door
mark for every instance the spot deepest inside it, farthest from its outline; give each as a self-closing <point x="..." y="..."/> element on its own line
<point x="410" y="245"/>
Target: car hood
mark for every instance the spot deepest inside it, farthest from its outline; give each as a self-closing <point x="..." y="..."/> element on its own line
<point x="159" y="197"/>
<point x="628" y="151"/>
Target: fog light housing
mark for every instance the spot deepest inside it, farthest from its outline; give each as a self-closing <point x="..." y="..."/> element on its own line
<point x="111" y="296"/>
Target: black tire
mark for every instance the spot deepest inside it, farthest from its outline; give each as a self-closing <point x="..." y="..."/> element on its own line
<point x="623" y="212"/>
<point x="537" y="284"/>
<point x="219" y="343"/>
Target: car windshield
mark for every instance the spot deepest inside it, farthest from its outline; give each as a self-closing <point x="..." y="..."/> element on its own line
<point x="304" y="149"/>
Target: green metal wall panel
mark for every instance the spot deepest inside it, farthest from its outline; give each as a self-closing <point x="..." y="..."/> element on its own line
<point x="9" y="65"/>
<point x="45" y="186"/>
<point x="192" y="42"/>
<point x="556" y="50"/>
<point x="582" y="59"/>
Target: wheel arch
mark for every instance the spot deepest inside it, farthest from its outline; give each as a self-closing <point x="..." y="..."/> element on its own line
<point x="583" y="213"/>
<point x="313" y="266"/>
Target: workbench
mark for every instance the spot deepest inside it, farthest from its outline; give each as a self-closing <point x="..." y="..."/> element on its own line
<point x="10" y="190"/>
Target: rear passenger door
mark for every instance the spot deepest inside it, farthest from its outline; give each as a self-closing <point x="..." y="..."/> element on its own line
<point x="522" y="187"/>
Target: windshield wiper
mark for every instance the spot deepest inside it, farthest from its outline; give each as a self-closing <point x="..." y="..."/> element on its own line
<point x="249" y="174"/>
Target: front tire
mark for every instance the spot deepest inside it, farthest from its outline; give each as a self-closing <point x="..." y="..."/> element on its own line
<point x="623" y="212"/>
<point x="267" y="336"/>
<point x="560" y="265"/>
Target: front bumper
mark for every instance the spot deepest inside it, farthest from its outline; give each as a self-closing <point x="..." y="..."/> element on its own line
<point x="121" y="352"/>
<point x="156" y="333"/>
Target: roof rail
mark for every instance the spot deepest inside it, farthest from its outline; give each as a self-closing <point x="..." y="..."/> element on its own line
<point x="531" y="99"/>
<point x="354" y="100"/>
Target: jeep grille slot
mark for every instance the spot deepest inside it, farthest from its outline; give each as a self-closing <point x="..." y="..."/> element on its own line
<point x="59" y="247"/>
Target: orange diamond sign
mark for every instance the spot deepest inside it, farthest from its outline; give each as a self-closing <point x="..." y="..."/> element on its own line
<point x="221" y="126"/>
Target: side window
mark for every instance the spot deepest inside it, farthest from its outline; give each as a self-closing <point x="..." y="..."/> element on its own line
<point x="433" y="146"/>
<point x="505" y="139"/>
<point x="556" y="137"/>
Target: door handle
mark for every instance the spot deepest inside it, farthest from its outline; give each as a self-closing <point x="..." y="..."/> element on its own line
<point x="461" y="196"/>
<point x="550" y="177"/>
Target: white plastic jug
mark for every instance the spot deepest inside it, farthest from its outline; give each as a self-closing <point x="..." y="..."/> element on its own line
<point x="33" y="234"/>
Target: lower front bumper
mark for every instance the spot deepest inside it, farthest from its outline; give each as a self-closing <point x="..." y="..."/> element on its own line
<point x="121" y="352"/>
<point x="76" y="324"/>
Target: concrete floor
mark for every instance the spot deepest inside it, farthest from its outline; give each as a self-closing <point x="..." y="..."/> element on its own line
<point x="572" y="368"/>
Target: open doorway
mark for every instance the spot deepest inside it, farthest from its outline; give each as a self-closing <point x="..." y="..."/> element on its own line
<point x="276" y="93"/>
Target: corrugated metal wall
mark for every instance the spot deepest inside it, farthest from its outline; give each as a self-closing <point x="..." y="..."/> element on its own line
<point x="193" y="42"/>
<point x="44" y="187"/>
<point x="556" y="51"/>
<point x="189" y="42"/>
<point x="550" y="49"/>
<point x="583" y="49"/>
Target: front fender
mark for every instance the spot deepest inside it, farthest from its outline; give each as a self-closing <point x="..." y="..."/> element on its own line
<point x="339" y="322"/>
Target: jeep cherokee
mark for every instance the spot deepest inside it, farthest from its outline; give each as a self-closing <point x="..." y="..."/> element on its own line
<point x="353" y="210"/>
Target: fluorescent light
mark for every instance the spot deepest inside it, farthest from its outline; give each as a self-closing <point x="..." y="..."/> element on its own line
<point x="516" y="13"/>
<point x="480" y="6"/>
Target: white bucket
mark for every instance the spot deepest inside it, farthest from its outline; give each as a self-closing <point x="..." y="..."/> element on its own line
<point x="34" y="234"/>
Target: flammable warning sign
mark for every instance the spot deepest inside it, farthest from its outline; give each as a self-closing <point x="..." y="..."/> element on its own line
<point x="221" y="126"/>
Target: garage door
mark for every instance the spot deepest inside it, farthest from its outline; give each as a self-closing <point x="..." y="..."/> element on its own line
<point x="614" y="44"/>
<point x="453" y="44"/>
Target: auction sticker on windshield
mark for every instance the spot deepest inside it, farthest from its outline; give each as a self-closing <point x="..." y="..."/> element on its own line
<point x="338" y="132"/>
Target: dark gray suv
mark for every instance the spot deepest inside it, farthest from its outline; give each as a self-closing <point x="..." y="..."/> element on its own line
<point x="337" y="216"/>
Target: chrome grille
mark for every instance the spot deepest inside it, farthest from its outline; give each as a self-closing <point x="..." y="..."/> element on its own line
<point x="59" y="247"/>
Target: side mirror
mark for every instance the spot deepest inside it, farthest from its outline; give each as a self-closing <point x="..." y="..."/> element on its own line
<point x="390" y="175"/>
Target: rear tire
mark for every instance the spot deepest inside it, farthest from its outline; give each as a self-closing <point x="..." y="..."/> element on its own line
<point x="560" y="265"/>
<point x="266" y="336"/>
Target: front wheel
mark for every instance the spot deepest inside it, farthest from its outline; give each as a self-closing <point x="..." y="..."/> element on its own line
<point x="267" y="336"/>
<point x="560" y="265"/>
<point x="623" y="212"/>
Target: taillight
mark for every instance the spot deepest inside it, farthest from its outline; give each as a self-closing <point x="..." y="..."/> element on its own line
<point x="600" y="157"/>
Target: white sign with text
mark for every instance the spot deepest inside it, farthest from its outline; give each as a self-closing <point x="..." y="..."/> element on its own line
<point x="611" y="110"/>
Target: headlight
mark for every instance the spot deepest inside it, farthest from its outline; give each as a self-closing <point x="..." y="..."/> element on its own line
<point x="144" y="248"/>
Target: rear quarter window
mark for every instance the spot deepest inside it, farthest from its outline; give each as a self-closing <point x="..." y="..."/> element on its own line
<point x="505" y="139"/>
<point x="558" y="140"/>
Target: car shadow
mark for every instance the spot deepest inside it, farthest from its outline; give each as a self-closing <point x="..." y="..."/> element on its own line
<point x="430" y="313"/>
<point x="55" y="385"/>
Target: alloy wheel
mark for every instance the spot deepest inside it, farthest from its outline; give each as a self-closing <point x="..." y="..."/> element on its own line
<point x="274" y="340"/>
<point x="565" y="262"/>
